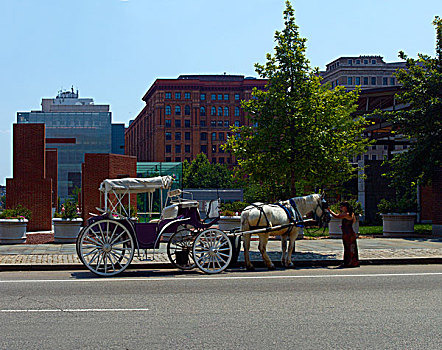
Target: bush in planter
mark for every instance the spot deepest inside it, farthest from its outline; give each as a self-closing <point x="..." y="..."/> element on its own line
<point x="403" y="205"/>
<point x="230" y="209"/>
<point x="69" y="211"/>
<point x="357" y="207"/>
<point x="19" y="212"/>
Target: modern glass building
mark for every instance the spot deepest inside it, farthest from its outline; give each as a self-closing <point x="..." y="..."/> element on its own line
<point x="118" y="138"/>
<point x="74" y="126"/>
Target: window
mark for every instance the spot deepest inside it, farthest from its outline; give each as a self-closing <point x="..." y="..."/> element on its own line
<point x="384" y="81"/>
<point x="203" y="97"/>
<point x="373" y="148"/>
<point x="203" y="123"/>
<point x="220" y="149"/>
<point x="358" y="158"/>
<point x="237" y="123"/>
<point x="358" y="61"/>
<point x="365" y="156"/>
<point x="229" y="160"/>
<point x="373" y="157"/>
<point x="236" y="97"/>
<point x="203" y="111"/>
<point x="350" y="62"/>
<point x="226" y="123"/>
<point x="220" y="111"/>
<point x="213" y="136"/>
<point x="168" y="110"/>
<point x="365" y="61"/>
<point x="177" y="159"/>
<point x="187" y="123"/>
<point x="187" y="136"/>
<point x="168" y="136"/>
<point x="187" y="148"/>
<point x="168" y="159"/>
<point x="236" y="111"/>
<point x="187" y="95"/>
<point x="213" y="97"/>
<point x="220" y="97"/>
<point x="333" y="84"/>
<point x="373" y="61"/>
<point x="221" y="160"/>
<point x="177" y="148"/>
<point x="226" y="97"/>
<point x="385" y="147"/>
<point x="365" y="80"/>
<point x="391" y="81"/>
<point x="213" y="149"/>
<point x="213" y="111"/>
<point x="203" y="136"/>
<point x="177" y="123"/>
<point x="203" y="149"/>
<point x="213" y="123"/>
<point x="226" y="111"/>
<point x="221" y="136"/>
<point x="357" y="81"/>
<point x="187" y="110"/>
<point x="168" y="123"/>
<point x="168" y="148"/>
<point x="349" y="81"/>
<point x="337" y="82"/>
<point x="220" y="123"/>
<point x="177" y="136"/>
<point x="177" y="110"/>
<point x="168" y="95"/>
<point x="373" y="80"/>
<point x="177" y="95"/>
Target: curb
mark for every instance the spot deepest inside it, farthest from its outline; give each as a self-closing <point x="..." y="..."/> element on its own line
<point x="260" y="264"/>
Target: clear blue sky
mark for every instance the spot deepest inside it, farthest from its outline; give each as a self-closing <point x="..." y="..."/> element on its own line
<point x="113" y="50"/>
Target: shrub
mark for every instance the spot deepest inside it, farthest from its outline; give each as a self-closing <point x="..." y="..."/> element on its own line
<point x="69" y="210"/>
<point x="19" y="212"/>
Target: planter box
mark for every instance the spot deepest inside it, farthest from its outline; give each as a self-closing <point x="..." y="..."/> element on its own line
<point x="227" y="223"/>
<point x="334" y="227"/>
<point x="66" y="231"/>
<point x="12" y="231"/>
<point x="398" y="224"/>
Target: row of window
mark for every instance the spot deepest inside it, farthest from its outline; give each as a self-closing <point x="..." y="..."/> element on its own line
<point x="366" y="81"/>
<point x="203" y="136"/>
<point x="220" y="160"/>
<point x="356" y="61"/>
<point x="220" y="111"/>
<point x="203" y="148"/>
<point x="213" y="97"/>
<point x="213" y="123"/>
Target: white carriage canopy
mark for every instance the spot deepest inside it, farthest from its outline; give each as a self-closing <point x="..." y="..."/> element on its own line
<point x="136" y="185"/>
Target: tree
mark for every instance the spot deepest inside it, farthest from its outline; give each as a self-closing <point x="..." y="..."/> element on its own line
<point x="422" y="121"/>
<point x="303" y="132"/>
<point x="200" y="173"/>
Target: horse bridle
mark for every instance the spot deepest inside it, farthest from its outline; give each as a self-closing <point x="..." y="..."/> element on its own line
<point x="324" y="219"/>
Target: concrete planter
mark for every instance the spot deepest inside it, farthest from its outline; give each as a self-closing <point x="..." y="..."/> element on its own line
<point x="398" y="224"/>
<point x="12" y="231"/>
<point x="66" y="231"/>
<point x="227" y="223"/>
<point x="334" y="227"/>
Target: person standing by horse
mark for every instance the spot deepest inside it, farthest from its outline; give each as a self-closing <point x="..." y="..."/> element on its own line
<point x="351" y="258"/>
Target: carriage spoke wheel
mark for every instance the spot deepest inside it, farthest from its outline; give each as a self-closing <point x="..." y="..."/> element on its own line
<point x="212" y="251"/>
<point x="179" y="249"/>
<point x="106" y="247"/>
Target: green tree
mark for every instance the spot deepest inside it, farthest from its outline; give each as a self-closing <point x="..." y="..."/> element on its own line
<point x="422" y="121"/>
<point x="200" y="173"/>
<point x="303" y="132"/>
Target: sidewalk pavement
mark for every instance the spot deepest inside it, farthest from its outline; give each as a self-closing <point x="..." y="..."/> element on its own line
<point x="319" y="252"/>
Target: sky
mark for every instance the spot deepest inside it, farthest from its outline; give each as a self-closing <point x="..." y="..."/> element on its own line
<point x="113" y="50"/>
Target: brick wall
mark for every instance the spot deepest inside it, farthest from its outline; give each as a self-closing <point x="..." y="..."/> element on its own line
<point x="95" y="169"/>
<point x="52" y="172"/>
<point x="29" y="187"/>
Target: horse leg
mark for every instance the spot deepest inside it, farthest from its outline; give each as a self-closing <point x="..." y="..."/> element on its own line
<point x="283" y="250"/>
<point x="263" y="239"/>
<point x="292" y="241"/>
<point x="246" y="239"/>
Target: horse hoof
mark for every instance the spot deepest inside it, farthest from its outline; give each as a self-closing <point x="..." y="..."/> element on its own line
<point x="271" y="268"/>
<point x="250" y="268"/>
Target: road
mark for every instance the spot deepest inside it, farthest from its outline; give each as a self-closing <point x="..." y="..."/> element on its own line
<point x="373" y="307"/>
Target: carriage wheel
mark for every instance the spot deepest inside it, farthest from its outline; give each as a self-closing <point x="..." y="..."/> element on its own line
<point x="212" y="251"/>
<point x="106" y="247"/>
<point x="179" y="249"/>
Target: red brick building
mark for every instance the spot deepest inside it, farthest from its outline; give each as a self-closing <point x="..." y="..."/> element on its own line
<point x="187" y="116"/>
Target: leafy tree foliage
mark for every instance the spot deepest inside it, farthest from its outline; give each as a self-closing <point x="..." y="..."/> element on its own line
<point x="303" y="132"/>
<point x="200" y="173"/>
<point x="422" y="121"/>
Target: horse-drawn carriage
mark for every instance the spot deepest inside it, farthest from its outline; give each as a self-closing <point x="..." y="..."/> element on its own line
<point x="110" y="241"/>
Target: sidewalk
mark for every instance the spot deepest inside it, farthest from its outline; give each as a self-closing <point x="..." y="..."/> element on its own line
<point x="321" y="252"/>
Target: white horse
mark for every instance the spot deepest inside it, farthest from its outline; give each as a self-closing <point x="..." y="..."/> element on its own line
<point x="260" y="215"/>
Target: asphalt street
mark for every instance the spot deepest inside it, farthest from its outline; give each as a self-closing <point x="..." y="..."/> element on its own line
<point x="372" y="307"/>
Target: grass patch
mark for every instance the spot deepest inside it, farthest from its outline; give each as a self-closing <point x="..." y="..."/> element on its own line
<point x="419" y="229"/>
